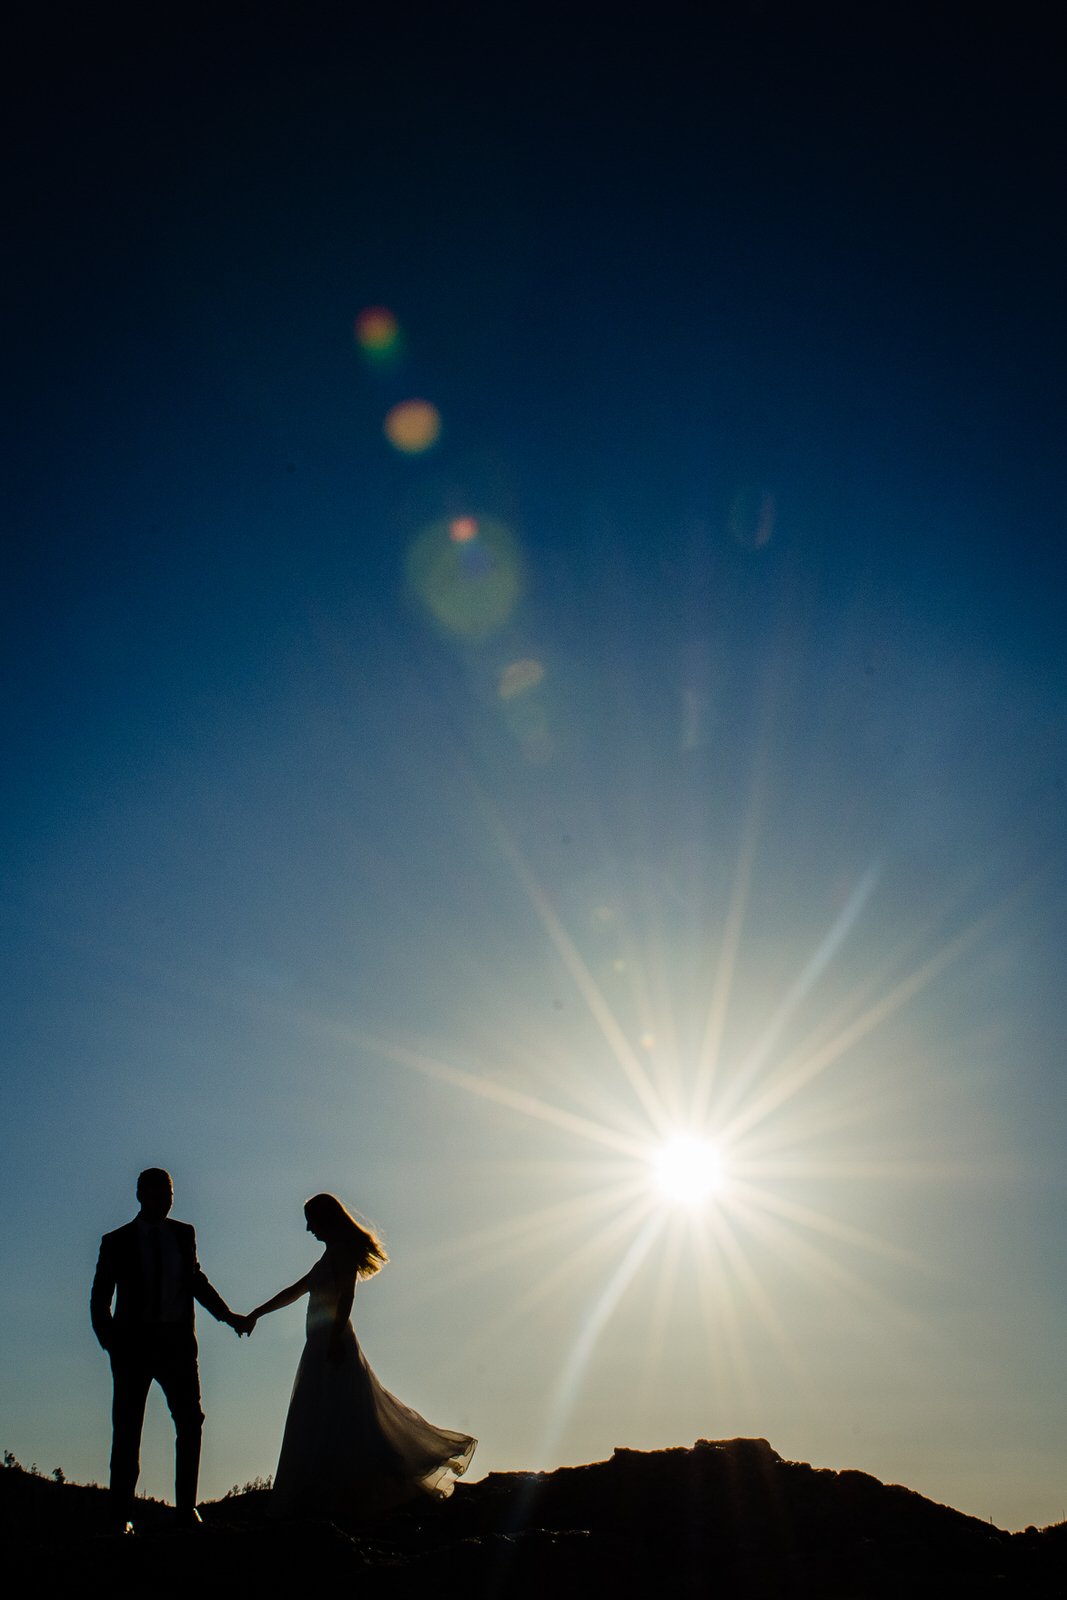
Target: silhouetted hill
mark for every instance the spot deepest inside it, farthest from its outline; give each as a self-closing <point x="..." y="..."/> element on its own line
<point x="728" y="1519"/>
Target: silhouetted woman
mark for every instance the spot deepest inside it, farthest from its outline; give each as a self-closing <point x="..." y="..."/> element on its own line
<point x="350" y="1447"/>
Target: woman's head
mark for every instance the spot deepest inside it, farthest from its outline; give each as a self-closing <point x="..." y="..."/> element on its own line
<point x="329" y="1221"/>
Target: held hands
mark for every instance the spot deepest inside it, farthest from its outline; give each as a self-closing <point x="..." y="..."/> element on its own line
<point x="243" y="1325"/>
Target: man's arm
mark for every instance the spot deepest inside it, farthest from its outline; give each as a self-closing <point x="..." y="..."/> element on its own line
<point x="101" y="1295"/>
<point x="205" y="1294"/>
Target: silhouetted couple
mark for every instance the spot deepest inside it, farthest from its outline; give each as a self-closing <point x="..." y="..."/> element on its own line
<point x="349" y="1448"/>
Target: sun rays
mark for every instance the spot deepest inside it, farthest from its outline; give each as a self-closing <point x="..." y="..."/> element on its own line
<point x="709" y="1153"/>
<point x="710" y="1173"/>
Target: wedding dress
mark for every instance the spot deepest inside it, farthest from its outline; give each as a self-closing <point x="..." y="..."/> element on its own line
<point x="349" y="1445"/>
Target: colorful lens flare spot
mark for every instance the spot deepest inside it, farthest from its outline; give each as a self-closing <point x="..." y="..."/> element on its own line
<point x="413" y="426"/>
<point x="520" y="676"/>
<point x="461" y="530"/>
<point x="469" y="586"/>
<point x="377" y="332"/>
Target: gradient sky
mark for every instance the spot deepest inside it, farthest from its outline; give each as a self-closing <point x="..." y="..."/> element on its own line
<point x="717" y="780"/>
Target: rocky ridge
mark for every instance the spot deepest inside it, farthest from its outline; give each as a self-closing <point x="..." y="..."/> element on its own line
<point x="725" y="1518"/>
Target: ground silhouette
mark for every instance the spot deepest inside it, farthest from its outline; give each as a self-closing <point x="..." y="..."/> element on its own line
<point x="725" y="1518"/>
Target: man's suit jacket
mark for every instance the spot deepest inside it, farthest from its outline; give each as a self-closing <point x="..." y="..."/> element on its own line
<point x="120" y="1274"/>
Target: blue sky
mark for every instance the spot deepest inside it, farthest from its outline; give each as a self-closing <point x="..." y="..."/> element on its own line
<point x="749" y="337"/>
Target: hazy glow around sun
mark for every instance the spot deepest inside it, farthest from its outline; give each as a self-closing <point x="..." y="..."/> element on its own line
<point x="687" y="1170"/>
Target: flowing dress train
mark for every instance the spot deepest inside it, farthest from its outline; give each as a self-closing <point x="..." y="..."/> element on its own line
<point x="350" y="1447"/>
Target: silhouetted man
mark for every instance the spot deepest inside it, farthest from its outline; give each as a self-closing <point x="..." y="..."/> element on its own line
<point x="150" y="1267"/>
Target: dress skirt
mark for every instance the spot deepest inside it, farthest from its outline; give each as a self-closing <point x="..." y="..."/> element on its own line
<point x="352" y="1448"/>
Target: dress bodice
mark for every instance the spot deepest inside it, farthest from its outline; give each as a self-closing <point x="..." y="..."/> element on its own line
<point x="325" y="1288"/>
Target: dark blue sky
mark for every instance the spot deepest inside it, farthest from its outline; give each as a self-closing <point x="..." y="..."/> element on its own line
<point x="748" y="326"/>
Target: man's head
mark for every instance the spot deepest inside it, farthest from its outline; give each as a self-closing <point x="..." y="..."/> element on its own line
<point x="155" y="1192"/>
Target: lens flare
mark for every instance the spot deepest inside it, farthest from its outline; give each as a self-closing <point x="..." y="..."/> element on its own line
<point x="470" y="586"/>
<point x="461" y="530"/>
<point x="413" y="426"/>
<point x="687" y="1170"/>
<point x="527" y="722"/>
<point x="377" y="332"/>
<point x="520" y="676"/>
<point x="752" y="517"/>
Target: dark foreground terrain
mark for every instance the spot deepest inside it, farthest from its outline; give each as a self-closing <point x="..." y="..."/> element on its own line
<point x="728" y="1519"/>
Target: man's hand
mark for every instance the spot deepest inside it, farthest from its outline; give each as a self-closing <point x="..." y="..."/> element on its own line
<point x="242" y="1324"/>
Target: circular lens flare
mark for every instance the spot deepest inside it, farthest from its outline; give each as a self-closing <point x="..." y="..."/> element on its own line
<point x="687" y="1170"/>
<point x="519" y="677"/>
<point x="377" y="331"/>
<point x="469" y="585"/>
<point x="412" y="426"/>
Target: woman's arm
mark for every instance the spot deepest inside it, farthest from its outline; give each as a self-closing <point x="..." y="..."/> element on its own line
<point x="284" y="1297"/>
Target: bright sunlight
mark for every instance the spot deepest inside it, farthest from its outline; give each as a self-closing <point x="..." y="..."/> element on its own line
<point x="687" y="1170"/>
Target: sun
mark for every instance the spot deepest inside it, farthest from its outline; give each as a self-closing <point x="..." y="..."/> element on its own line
<point x="687" y="1170"/>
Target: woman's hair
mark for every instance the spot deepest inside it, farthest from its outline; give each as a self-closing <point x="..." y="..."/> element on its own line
<point x="327" y="1212"/>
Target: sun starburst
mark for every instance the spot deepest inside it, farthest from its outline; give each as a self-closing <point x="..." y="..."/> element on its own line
<point x="687" y="1170"/>
<point x="699" y="1156"/>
